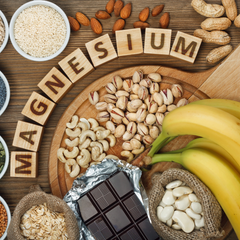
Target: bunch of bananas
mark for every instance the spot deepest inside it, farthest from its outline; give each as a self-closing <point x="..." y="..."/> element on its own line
<point x="214" y="158"/>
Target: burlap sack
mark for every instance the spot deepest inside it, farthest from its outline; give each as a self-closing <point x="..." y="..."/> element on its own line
<point x="36" y="197"/>
<point x="211" y="208"/>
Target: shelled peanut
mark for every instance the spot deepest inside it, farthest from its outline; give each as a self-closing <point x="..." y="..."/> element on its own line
<point x="134" y="109"/>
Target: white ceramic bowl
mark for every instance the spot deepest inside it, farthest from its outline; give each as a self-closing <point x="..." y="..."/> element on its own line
<point x="8" y="215"/>
<point x="6" y="159"/>
<point x="29" y="4"/>
<point x="7" y="93"/>
<point x="5" y="22"/>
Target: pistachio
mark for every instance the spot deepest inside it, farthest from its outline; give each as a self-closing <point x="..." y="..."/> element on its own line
<point x="130" y="109"/>
<point x="158" y="98"/>
<point x="138" y="151"/>
<point x="93" y="97"/>
<point x="131" y="117"/>
<point x="110" y="126"/>
<point x="142" y="92"/>
<point x="148" y="140"/>
<point x="109" y="98"/>
<point x="136" y="103"/>
<point x="150" y="119"/>
<point x="101" y="106"/>
<point x="110" y="88"/>
<point x="135" y="144"/>
<point x="167" y="96"/>
<point x="162" y="109"/>
<point x="127" y="146"/>
<point x="138" y="137"/>
<point x="142" y="129"/>
<point x="148" y="100"/>
<point x="132" y="127"/>
<point x="154" y="88"/>
<point x="159" y="118"/>
<point x="122" y="102"/>
<point x="154" y="132"/>
<point x="141" y="114"/>
<point x="116" y="121"/>
<point x="154" y="77"/>
<point x="153" y="107"/>
<point x="117" y="113"/>
<point x="133" y="97"/>
<point x="127" y="85"/>
<point x="127" y="136"/>
<point x="177" y="90"/>
<point x="125" y="121"/>
<point x="182" y="102"/>
<point x="144" y="106"/>
<point x="171" y="107"/>
<point x="117" y="82"/>
<point x="119" y="131"/>
<point x="146" y="83"/>
<point x="121" y="93"/>
<point x="137" y="76"/>
<point x="135" y="88"/>
<point x="103" y="116"/>
<point x="110" y="106"/>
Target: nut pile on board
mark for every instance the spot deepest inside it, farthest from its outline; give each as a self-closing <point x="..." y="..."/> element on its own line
<point x="41" y="223"/>
<point x="86" y="145"/>
<point x="134" y="109"/>
<point x="180" y="208"/>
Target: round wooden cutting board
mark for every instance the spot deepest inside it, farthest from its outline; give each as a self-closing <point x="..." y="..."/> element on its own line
<point x="60" y="181"/>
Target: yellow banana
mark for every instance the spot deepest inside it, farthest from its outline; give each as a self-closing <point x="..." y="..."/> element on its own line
<point x="205" y="121"/>
<point x="214" y="172"/>
<point x="230" y="106"/>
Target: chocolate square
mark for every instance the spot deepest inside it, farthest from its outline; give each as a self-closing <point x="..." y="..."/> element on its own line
<point x="148" y="230"/>
<point x="131" y="234"/>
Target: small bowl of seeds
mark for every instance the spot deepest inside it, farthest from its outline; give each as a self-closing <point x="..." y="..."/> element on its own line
<point x="4" y="93"/>
<point x="4" y="31"/>
<point x="5" y="218"/>
<point x="4" y="157"/>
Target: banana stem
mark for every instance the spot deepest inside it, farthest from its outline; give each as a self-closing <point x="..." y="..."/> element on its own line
<point x="167" y="157"/>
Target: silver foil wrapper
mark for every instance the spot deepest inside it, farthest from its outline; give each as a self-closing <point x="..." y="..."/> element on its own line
<point x="95" y="175"/>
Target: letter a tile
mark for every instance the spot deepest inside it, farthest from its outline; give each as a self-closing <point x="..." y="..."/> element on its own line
<point x="185" y="47"/>
<point x="101" y="50"/>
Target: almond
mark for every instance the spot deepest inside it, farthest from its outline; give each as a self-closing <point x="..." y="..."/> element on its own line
<point x="126" y="11"/>
<point x="118" y="25"/>
<point x="96" y="26"/>
<point x="118" y="7"/>
<point x="82" y="19"/>
<point x="141" y="25"/>
<point x="164" y="20"/>
<point x="110" y="6"/>
<point x="157" y="10"/>
<point x="74" y="24"/>
<point x="102" y="14"/>
<point x="144" y="14"/>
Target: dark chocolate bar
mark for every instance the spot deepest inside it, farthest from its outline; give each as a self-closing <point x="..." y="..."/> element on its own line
<point x="112" y="211"/>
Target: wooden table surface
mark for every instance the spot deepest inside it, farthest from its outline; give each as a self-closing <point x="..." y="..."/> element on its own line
<point x="23" y="75"/>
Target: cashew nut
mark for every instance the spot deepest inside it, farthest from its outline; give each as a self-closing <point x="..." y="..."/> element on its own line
<point x="102" y="134"/>
<point x="99" y="128"/>
<point x="105" y="144"/>
<point x="138" y="151"/>
<point x="60" y="155"/>
<point x="84" y="158"/>
<point x="85" y="121"/>
<point x="112" y="140"/>
<point x="112" y="157"/>
<point x="93" y="122"/>
<point x="95" y="153"/>
<point x="94" y="163"/>
<point x="72" y="143"/>
<point x="101" y="157"/>
<point x="83" y="126"/>
<point x="85" y="144"/>
<point x="128" y="155"/>
<point x="73" y="123"/>
<point x="68" y="164"/>
<point x="73" y="133"/>
<point x="71" y="154"/>
<point x="85" y="134"/>
<point x="75" y="170"/>
<point x="97" y="144"/>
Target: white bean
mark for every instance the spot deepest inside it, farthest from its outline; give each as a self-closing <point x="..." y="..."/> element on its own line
<point x="199" y="223"/>
<point x="169" y="222"/>
<point x="176" y="226"/>
<point x="182" y="203"/>
<point x="168" y="197"/>
<point x="184" y="221"/>
<point x="192" y="214"/>
<point x="174" y="184"/>
<point x="159" y="210"/>
<point x="193" y="197"/>
<point x="166" y="213"/>
<point x="180" y="191"/>
<point x="196" y="207"/>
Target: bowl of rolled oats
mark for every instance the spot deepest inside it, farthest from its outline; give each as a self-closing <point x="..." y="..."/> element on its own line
<point x="4" y="31"/>
<point x="5" y="218"/>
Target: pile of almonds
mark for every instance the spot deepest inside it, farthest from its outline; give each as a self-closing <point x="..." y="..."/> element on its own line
<point x="134" y="109"/>
<point x="119" y="10"/>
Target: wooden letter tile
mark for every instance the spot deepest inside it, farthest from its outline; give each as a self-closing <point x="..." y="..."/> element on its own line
<point x="101" y="50"/>
<point x="129" y="42"/>
<point x="157" y="41"/>
<point x="24" y="164"/>
<point x="38" y="108"/>
<point x="55" y="85"/>
<point x="27" y="136"/>
<point x="76" y="65"/>
<point x="185" y="47"/>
